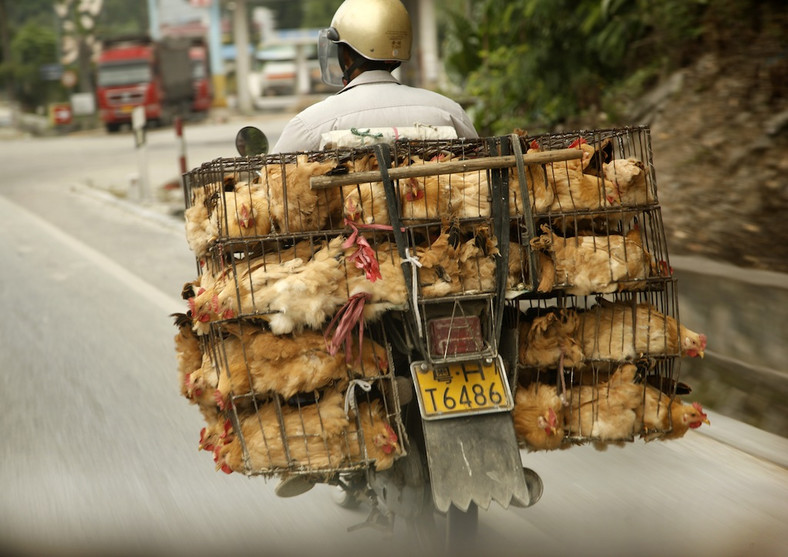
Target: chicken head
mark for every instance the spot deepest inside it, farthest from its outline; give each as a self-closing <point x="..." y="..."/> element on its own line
<point x="548" y="422"/>
<point x="694" y="345"/>
<point x="694" y="416"/>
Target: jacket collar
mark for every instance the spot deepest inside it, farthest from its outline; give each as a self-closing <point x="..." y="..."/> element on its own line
<point x="371" y="76"/>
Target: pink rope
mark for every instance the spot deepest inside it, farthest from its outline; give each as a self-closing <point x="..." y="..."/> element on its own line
<point x="352" y="312"/>
<point x="346" y="318"/>
<point x="364" y="257"/>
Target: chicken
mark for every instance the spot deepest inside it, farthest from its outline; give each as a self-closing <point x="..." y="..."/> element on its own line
<point x="294" y="206"/>
<point x="539" y="190"/>
<point x="202" y="230"/>
<point x="667" y="419"/>
<point x="439" y="270"/>
<point x="380" y="439"/>
<point x="426" y="197"/>
<point x="628" y="177"/>
<point x="244" y="211"/>
<point x="478" y="263"/>
<point x="201" y="385"/>
<point x="571" y="189"/>
<point x="539" y="417"/>
<point x="548" y="340"/>
<point x="387" y="292"/>
<point x="312" y="434"/>
<point x="470" y="193"/>
<point x="215" y="435"/>
<point x="518" y="274"/>
<point x="621" y="331"/>
<point x="309" y="294"/>
<point x="607" y="412"/>
<point x="365" y="203"/>
<point x="589" y="151"/>
<point x="589" y="264"/>
<point x="188" y="350"/>
<point x="255" y="361"/>
<point x="290" y="289"/>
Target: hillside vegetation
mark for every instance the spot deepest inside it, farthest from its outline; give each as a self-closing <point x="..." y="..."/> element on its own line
<point x="708" y="76"/>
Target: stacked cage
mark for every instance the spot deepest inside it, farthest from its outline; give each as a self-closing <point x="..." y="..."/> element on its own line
<point x="599" y="333"/>
<point x="293" y="375"/>
<point x="320" y="273"/>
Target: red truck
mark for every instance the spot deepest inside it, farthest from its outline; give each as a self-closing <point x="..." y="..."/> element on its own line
<point x="168" y="77"/>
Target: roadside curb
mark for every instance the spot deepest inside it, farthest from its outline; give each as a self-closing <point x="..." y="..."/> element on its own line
<point x="149" y="210"/>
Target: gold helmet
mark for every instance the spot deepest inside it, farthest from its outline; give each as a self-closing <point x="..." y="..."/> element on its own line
<point x="376" y="29"/>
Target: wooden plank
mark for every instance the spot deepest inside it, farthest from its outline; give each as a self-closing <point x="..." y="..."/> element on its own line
<point x="450" y="167"/>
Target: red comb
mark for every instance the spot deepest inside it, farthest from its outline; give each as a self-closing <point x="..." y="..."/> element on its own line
<point x="577" y="142"/>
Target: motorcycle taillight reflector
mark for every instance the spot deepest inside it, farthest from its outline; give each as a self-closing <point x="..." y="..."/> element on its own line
<point x="450" y="336"/>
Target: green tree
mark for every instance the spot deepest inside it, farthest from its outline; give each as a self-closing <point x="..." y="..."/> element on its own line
<point x="31" y="47"/>
<point x="540" y="63"/>
<point x="121" y="17"/>
<point x="318" y="13"/>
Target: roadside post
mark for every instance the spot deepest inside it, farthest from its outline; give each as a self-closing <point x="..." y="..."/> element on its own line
<point x="138" y="127"/>
<point x="181" y="153"/>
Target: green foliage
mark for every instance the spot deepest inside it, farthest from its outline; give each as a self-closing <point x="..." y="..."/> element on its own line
<point x="120" y="18"/>
<point x="318" y="13"/>
<point x="288" y="15"/>
<point x="536" y="64"/>
<point x="32" y="47"/>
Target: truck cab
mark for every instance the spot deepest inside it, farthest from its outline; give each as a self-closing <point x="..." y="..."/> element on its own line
<point x="142" y="72"/>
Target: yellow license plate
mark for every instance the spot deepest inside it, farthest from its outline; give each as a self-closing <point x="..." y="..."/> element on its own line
<point x="456" y="389"/>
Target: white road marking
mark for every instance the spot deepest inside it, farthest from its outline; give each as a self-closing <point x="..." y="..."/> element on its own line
<point x="9" y="211"/>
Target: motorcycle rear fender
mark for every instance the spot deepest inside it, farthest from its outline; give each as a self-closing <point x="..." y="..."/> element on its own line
<point x="474" y="459"/>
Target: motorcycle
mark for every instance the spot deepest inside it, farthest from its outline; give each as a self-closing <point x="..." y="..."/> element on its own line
<point x="458" y="355"/>
<point x="427" y="433"/>
<point x="447" y="391"/>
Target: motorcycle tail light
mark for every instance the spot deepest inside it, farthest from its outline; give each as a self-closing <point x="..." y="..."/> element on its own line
<point x="451" y="336"/>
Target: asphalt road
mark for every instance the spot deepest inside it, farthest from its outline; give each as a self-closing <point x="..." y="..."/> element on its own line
<point x="100" y="454"/>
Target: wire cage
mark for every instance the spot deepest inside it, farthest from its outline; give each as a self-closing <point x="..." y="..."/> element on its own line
<point x="294" y="407"/>
<point x="600" y="340"/>
<point x="320" y="247"/>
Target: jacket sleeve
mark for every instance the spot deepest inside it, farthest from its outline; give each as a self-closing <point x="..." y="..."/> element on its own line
<point x="464" y="126"/>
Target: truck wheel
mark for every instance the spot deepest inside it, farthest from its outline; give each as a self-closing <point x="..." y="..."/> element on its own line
<point x="113" y="127"/>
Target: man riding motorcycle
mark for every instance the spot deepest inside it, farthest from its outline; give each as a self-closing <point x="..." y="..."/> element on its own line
<point x="367" y="40"/>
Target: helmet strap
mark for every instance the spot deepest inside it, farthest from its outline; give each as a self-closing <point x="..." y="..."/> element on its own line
<point x="348" y="72"/>
<point x="360" y="62"/>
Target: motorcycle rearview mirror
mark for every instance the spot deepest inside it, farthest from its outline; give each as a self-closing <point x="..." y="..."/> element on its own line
<point x="251" y="141"/>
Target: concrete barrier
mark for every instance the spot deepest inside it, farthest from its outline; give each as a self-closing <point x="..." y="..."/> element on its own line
<point x="744" y="314"/>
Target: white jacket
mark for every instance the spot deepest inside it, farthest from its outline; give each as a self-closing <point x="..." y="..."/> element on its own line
<point x="373" y="99"/>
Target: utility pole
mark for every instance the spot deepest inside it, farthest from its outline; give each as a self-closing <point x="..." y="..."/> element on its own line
<point x="242" y="64"/>
<point x="217" y="64"/>
<point x="154" y="26"/>
<point x="428" y="41"/>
